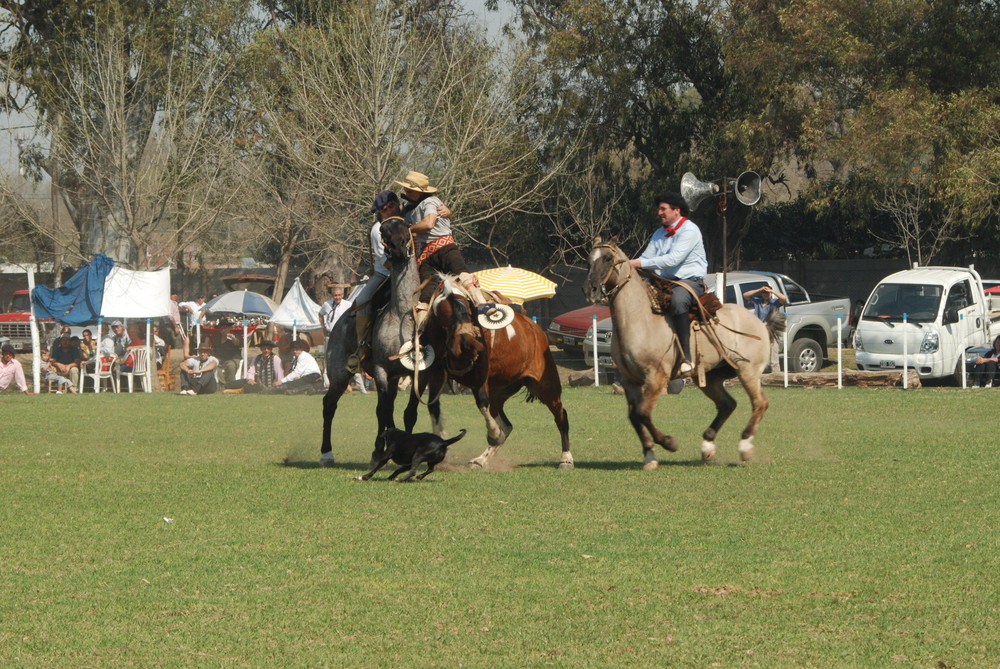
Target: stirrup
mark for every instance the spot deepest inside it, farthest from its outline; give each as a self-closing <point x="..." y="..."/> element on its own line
<point x="494" y="316"/>
<point x="353" y="363"/>
<point x="419" y="357"/>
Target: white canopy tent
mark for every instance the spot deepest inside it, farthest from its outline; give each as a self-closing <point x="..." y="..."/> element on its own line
<point x="131" y="294"/>
<point x="297" y="311"/>
<point x="127" y="294"/>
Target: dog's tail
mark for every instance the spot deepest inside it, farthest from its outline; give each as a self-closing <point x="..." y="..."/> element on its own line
<point x="449" y="442"/>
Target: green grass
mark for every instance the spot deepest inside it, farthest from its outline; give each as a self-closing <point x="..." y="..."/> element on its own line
<point x="864" y="534"/>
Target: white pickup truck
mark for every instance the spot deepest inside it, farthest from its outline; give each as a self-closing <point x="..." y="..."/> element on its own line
<point x="935" y="313"/>
<point x="811" y="320"/>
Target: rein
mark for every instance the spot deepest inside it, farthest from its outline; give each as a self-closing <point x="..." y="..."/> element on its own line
<point x="610" y="294"/>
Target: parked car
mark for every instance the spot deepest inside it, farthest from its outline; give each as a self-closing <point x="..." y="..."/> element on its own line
<point x="811" y="320"/>
<point x="15" y="322"/>
<point x="566" y="331"/>
<point x="947" y="315"/>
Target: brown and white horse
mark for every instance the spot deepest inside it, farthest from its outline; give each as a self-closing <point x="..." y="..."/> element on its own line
<point x="494" y="364"/>
<point x="648" y="356"/>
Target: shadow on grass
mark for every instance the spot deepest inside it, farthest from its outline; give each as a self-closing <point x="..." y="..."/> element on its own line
<point x="621" y="466"/>
<point x="314" y="464"/>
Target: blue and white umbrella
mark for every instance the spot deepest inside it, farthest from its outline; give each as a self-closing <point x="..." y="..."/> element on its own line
<point x="242" y="302"/>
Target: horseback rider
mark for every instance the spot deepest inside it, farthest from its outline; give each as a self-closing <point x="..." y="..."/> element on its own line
<point x="386" y="206"/>
<point x="430" y="224"/>
<point x="676" y="251"/>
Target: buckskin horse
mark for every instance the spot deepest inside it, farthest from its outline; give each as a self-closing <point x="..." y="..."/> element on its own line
<point x="495" y="365"/>
<point x="393" y="326"/>
<point x="648" y="356"/>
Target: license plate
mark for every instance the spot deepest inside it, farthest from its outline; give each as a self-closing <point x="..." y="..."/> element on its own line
<point x="887" y="364"/>
<point x="605" y="360"/>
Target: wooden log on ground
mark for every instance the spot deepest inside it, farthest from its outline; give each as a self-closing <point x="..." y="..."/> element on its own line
<point x="852" y="377"/>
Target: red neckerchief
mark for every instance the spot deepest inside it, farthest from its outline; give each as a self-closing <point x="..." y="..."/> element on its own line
<point x="672" y="230"/>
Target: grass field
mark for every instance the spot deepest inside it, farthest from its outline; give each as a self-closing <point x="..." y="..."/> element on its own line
<point x="161" y="531"/>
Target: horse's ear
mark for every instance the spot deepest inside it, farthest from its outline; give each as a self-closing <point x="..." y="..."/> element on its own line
<point x="597" y="240"/>
<point x="614" y="239"/>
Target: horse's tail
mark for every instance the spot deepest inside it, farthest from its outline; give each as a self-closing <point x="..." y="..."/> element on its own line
<point x="776" y="324"/>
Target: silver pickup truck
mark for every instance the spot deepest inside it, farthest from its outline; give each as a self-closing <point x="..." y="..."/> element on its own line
<point x="812" y="320"/>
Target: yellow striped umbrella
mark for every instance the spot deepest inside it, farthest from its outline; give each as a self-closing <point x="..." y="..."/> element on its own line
<point x="518" y="285"/>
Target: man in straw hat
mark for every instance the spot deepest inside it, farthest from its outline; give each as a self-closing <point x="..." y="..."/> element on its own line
<point x="436" y="247"/>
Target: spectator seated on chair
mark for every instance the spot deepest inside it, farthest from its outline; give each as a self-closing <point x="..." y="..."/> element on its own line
<point x="265" y="369"/>
<point x="305" y="375"/>
<point x="198" y="373"/>
<point x="51" y="373"/>
<point x="66" y="360"/>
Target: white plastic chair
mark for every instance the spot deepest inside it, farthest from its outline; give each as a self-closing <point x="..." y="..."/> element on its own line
<point x="104" y="367"/>
<point x="140" y="365"/>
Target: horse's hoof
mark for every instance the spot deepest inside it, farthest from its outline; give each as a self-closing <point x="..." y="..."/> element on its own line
<point x="566" y="466"/>
<point x="707" y="450"/>
<point x="670" y="444"/>
<point x="746" y="450"/>
<point x="477" y="464"/>
<point x="650" y="466"/>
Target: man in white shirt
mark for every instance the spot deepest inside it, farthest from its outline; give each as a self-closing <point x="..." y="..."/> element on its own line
<point x="198" y="375"/>
<point x="305" y="375"/>
<point x="333" y="309"/>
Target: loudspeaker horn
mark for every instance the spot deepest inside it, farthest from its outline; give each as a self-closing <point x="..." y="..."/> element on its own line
<point x="747" y="188"/>
<point x="694" y="191"/>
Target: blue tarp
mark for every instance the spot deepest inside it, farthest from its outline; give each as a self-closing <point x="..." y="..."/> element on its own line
<point x="78" y="301"/>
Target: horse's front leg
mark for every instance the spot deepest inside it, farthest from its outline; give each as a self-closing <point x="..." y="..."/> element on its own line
<point x="387" y="389"/>
<point x="338" y="384"/>
<point x="495" y="435"/>
<point x="641" y="402"/>
<point x="724" y="406"/>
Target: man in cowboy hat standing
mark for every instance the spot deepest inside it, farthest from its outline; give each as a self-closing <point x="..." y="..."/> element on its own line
<point x="676" y="251"/>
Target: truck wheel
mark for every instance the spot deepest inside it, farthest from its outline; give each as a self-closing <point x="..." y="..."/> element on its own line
<point x="805" y="355"/>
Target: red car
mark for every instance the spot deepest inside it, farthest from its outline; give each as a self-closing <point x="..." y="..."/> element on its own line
<point x="568" y="330"/>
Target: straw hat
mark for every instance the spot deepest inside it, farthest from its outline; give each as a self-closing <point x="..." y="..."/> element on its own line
<point x="417" y="182"/>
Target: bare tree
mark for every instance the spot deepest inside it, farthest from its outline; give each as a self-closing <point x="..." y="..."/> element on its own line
<point x="134" y="132"/>
<point x="921" y="228"/>
<point x="375" y="92"/>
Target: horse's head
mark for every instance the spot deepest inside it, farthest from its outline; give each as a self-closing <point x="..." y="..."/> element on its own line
<point x="463" y="345"/>
<point x="396" y="238"/>
<point x="605" y="259"/>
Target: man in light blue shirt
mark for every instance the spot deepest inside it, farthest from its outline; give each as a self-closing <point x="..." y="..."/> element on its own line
<point x="676" y="251"/>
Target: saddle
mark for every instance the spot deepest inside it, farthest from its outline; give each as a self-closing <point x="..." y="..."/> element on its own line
<point x="661" y="290"/>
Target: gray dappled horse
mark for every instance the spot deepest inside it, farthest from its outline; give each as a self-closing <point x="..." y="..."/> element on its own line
<point x="392" y="327"/>
<point x="648" y="355"/>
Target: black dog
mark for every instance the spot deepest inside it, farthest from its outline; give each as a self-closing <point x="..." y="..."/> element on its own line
<point x="409" y="450"/>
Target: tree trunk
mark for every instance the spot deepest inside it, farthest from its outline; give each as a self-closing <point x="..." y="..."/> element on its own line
<point x="287" y="249"/>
